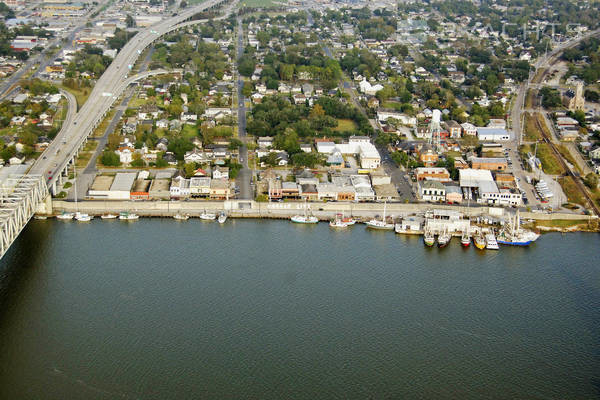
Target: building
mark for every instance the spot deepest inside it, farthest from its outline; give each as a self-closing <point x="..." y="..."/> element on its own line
<point x="454" y="129"/>
<point x="141" y="189"/>
<point x="492" y="164"/>
<point x="492" y="134"/>
<point x="109" y="188"/>
<point x="433" y="174"/>
<point x="180" y="188"/>
<point x="433" y="191"/>
<point x="468" y="129"/>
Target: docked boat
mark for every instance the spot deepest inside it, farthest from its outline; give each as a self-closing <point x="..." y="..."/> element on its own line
<point x="429" y="238"/>
<point x="381" y="224"/>
<point x="67" y="216"/>
<point x="306" y="218"/>
<point x="127" y="216"/>
<point x="41" y="217"/>
<point x="348" y="220"/>
<point x="479" y="241"/>
<point x="222" y="217"/>
<point x="490" y="242"/>
<point x="338" y="222"/>
<point x="302" y="219"/>
<point x="444" y="238"/>
<point x="465" y="240"/>
<point x="181" y="217"/>
<point x="109" y="216"/>
<point x="82" y="217"/>
<point x="208" y="216"/>
<point x="512" y="234"/>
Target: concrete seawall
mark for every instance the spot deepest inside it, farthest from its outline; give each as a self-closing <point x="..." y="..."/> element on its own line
<point x="252" y="209"/>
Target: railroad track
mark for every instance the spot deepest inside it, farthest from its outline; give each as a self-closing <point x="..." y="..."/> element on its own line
<point x="568" y="171"/>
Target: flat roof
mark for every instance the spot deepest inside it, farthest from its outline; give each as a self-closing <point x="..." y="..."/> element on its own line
<point x="160" y="184"/>
<point x="102" y="182"/>
<point x="141" y="185"/>
<point x="123" y="182"/>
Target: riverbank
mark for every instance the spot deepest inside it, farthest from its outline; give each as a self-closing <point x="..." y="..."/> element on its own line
<point x="323" y="211"/>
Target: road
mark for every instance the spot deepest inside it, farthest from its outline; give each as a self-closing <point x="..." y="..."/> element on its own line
<point x="106" y="90"/>
<point x="245" y="175"/>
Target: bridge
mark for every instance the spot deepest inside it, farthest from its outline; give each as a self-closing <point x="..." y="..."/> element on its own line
<point x="21" y="194"/>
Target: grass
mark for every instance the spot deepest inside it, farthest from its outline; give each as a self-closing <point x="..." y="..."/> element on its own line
<point x="529" y="98"/>
<point x="560" y="223"/>
<point x="562" y="149"/>
<point x="531" y="130"/>
<point x="136" y="102"/>
<point x="550" y="164"/>
<point x="571" y="191"/>
<point x="345" y="125"/>
<point x="99" y="131"/>
<point x="81" y="95"/>
<point x="189" y="131"/>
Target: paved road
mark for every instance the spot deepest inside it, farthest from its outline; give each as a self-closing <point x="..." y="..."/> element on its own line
<point x="245" y="175"/>
<point x="110" y="86"/>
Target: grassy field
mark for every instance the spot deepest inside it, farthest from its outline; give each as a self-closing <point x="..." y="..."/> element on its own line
<point x="531" y="130"/>
<point x="550" y="164"/>
<point x="99" y="131"/>
<point x="573" y="194"/>
<point x="562" y="149"/>
<point x="345" y="125"/>
<point x="136" y="102"/>
<point x="529" y="98"/>
<point x="189" y="131"/>
<point x="85" y="155"/>
<point x="81" y="95"/>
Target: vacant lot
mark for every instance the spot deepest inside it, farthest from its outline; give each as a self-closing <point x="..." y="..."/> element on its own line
<point x="345" y="125"/>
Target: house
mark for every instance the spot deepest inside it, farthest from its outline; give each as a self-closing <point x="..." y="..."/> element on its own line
<point x="125" y="154"/>
<point x="265" y="141"/>
<point x="180" y="187"/>
<point x="305" y="147"/>
<point x="162" y="144"/>
<point x="220" y="173"/>
<point x="219" y="189"/>
<point x="200" y="186"/>
<point x="428" y="157"/>
<point x="373" y="102"/>
<point x="454" y="129"/>
<point x="595" y="153"/>
<point x="433" y="191"/>
<point x="195" y="156"/>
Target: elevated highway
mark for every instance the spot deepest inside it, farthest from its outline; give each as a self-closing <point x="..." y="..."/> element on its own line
<point x="55" y="161"/>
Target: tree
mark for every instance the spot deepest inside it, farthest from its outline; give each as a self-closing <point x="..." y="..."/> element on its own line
<point x="110" y="159"/>
<point x="247" y="89"/>
<point x="130" y="21"/>
<point x="591" y="180"/>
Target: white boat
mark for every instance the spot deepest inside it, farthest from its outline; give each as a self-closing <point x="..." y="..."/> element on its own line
<point x="380" y="224"/>
<point x="338" y="222"/>
<point x="67" y="216"/>
<point x="222" y="217"/>
<point x="490" y="242"/>
<point x="208" y="216"/>
<point x="307" y="218"/>
<point x="127" y="216"/>
<point x="82" y="217"/>
<point x="465" y="239"/>
<point x="41" y="217"/>
<point x="513" y="234"/>
<point x="109" y="216"/>
<point x="444" y="238"/>
<point x="181" y="217"/>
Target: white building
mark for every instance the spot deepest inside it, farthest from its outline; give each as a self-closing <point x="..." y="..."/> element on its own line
<point x="493" y="134"/>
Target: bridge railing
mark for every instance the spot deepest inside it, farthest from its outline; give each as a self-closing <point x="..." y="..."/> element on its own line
<point x="20" y="195"/>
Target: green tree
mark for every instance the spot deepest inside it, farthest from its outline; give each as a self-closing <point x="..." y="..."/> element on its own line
<point x="110" y="159"/>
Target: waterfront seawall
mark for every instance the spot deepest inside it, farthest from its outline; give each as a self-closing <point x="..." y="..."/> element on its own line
<point x="252" y="209"/>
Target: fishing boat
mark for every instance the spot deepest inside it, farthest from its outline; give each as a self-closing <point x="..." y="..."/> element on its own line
<point x="465" y="239"/>
<point x="82" y="217"/>
<point x="338" y="222"/>
<point x="109" y="216"/>
<point x="181" y="217"/>
<point x="67" y="216"/>
<point x="479" y="241"/>
<point x="127" y="216"/>
<point x="222" y="217"/>
<point x="306" y="218"/>
<point x="41" y="217"/>
<point x="429" y="238"/>
<point x="444" y="238"/>
<point x="381" y="224"/>
<point x="490" y="242"/>
<point x="512" y="234"/>
<point x="348" y="220"/>
<point x="208" y="216"/>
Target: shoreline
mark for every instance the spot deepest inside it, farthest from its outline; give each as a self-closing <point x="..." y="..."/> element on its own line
<point x="544" y="222"/>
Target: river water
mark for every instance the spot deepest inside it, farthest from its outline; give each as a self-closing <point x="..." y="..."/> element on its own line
<point x="159" y="309"/>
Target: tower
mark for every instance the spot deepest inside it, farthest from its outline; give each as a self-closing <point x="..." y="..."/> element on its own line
<point x="435" y="130"/>
<point x="579" y="101"/>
